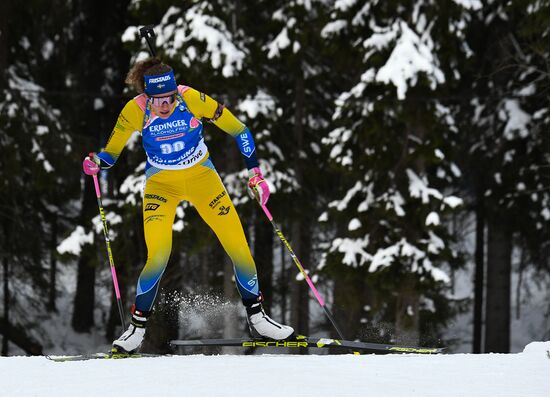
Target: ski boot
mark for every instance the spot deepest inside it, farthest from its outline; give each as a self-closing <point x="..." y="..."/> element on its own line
<point x="263" y="327"/>
<point x="130" y="341"/>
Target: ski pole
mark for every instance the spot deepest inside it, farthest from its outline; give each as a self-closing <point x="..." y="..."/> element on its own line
<point x="148" y="33"/>
<point x="302" y="270"/>
<point x="109" y="251"/>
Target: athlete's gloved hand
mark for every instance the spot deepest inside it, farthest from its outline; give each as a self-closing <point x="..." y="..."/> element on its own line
<point x="257" y="186"/>
<point x="90" y="165"/>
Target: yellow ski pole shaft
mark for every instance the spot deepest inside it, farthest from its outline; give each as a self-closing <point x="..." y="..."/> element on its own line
<point x="109" y="251"/>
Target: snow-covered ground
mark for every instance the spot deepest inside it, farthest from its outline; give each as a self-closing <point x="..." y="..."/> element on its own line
<point x="524" y="374"/>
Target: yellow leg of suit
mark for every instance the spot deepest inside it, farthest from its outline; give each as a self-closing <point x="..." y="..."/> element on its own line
<point x="202" y="186"/>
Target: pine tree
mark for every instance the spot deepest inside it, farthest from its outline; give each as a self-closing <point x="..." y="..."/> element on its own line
<point x="394" y="147"/>
<point x="34" y="147"/>
<point x="503" y="149"/>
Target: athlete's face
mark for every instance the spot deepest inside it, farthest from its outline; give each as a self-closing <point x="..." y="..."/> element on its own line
<point x="163" y="105"/>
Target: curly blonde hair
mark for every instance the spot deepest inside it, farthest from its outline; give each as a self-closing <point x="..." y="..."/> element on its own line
<point x="149" y="66"/>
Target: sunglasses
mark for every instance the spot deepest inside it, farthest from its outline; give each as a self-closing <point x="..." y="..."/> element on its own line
<point x="160" y="100"/>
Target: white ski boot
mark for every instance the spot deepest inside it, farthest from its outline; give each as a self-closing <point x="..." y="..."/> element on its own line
<point x="262" y="326"/>
<point x="131" y="340"/>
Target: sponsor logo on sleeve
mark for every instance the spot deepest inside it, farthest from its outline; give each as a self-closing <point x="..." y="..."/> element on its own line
<point x="151" y="206"/>
<point x="247" y="147"/>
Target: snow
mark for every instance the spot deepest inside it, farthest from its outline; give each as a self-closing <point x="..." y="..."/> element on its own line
<point x="17" y="83"/>
<point x="133" y="184"/>
<point x="418" y="188"/>
<point x="516" y="119"/>
<point x="453" y="201"/>
<point x="73" y="244"/>
<point x="336" y="151"/>
<point x="455" y="170"/>
<point x="470" y="4"/>
<point x="436" y="244"/>
<point x="354" y="224"/>
<point x="47" y="49"/>
<point x="520" y="374"/>
<point x="369" y="198"/>
<point x="333" y="28"/>
<point x="219" y="41"/>
<point x="433" y="219"/>
<point x="405" y="252"/>
<point x="178" y="31"/>
<point x="42" y="130"/>
<point x="353" y="249"/>
<point x="343" y="204"/>
<point x="395" y="200"/>
<point x="344" y="5"/>
<point x="261" y="103"/>
<point x="281" y="42"/>
<point x="412" y="55"/>
<point x="98" y="104"/>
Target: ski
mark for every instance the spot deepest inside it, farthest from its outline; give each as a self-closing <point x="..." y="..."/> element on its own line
<point x="302" y="341"/>
<point x="100" y="356"/>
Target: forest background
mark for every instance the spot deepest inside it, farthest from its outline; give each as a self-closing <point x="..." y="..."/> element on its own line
<point x="406" y="144"/>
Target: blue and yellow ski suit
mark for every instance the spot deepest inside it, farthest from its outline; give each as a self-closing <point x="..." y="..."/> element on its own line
<point x="179" y="168"/>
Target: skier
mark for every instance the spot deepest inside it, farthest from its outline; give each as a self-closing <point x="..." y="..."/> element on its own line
<point x="169" y="117"/>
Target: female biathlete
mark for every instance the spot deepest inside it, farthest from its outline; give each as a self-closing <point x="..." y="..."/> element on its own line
<point x="169" y="117"/>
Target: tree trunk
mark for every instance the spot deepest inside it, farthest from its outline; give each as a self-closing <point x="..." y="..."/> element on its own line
<point x="499" y="266"/>
<point x="53" y="266"/>
<point x="84" y="300"/>
<point x="299" y="292"/>
<point x="406" y="315"/>
<point x="263" y="255"/>
<point x="350" y="295"/>
<point x="301" y="245"/>
<point x="19" y="337"/>
<point x="4" y="41"/>
<point x="407" y="320"/>
<point x="6" y="330"/>
<point x="283" y="283"/>
<point x="93" y="50"/>
<point x="479" y="275"/>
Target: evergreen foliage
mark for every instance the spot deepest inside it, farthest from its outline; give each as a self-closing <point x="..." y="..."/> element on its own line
<point x="386" y="129"/>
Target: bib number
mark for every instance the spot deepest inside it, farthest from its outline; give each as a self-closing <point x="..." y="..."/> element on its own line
<point x="167" y="148"/>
